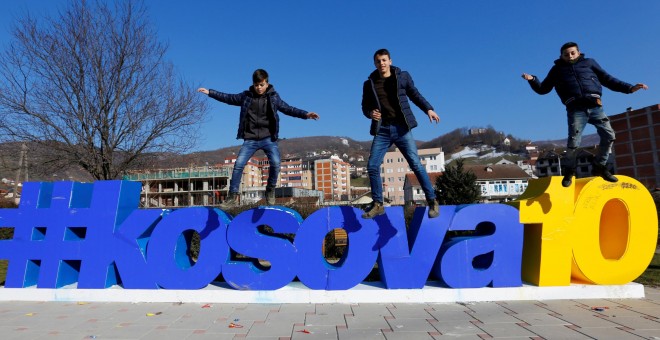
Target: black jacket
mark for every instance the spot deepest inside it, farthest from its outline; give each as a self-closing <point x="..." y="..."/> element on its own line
<point x="578" y="82"/>
<point x="406" y="89"/>
<point x="244" y="100"/>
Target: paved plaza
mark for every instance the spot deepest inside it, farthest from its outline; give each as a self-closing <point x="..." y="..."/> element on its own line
<point x="549" y="319"/>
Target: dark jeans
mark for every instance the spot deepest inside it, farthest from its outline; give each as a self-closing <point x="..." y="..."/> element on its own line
<point x="403" y="139"/>
<point x="577" y="120"/>
<point x="248" y="149"/>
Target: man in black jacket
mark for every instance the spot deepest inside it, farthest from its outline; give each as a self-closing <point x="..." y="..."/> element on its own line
<point x="577" y="81"/>
<point x="385" y="101"/>
<point x="258" y="126"/>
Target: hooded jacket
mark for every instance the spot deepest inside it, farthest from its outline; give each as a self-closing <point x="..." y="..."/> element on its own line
<point x="405" y="89"/>
<point x="244" y="100"/>
<point x="578" y="82"/>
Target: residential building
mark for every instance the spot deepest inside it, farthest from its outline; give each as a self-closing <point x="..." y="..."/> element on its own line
<point x="548" y="164"/>
<point x="412" y="190"/>
<point x="182" y="187"/>
<point x="252" y="172"/>
<point x="395" y="167"/>
<point x="499" y="182"/>
<point x="637" y="145"/>
<point x="332" y="177"/>
<point x="296" y="173"/>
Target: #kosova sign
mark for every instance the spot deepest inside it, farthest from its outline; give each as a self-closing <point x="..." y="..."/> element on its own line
<point x="94" y="235"/>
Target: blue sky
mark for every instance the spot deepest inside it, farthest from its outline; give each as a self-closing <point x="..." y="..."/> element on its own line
<point x="466" y="57"/>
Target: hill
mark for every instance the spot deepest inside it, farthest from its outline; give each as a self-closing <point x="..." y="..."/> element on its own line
<point x="485" y="146"/>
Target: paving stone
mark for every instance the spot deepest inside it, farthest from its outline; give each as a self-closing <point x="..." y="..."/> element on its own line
<point x="167" y="334"/>
<point x="636" y="322"/>
<point x="411" y="311"/>
<point x="408" y="336"/>
<point x="366" y="322"/>
<point x="520" y="307"/>
<point x="333" y="308"/>
<point x="539" y="319"/>
<point x="325" y="320"/>
<point x="226" y="327"/>
<point x="256" y="312"/>
<point x="196" y="321"/>
<point x="607" y="333"/>
<point x="587" y="320"/>
<point x="204" y="335"/>
<point x="564" y="306"/>
<point x="297" y="308"/>
<point x="359" y="334"/>
<point x="646" y="333"/>
<point x="498" y="330"/>
<point x="372" y="310"/>
<point x="451" y="315"/>
<point x="278" y="329"/>
<point x="314" y="332"/>
<point x="556" y="332"/>
<point x="410" y="325"/>
<point x="286" y="317"/>
<point x="494" y="317"/>
<point x="457" y="327"/>
<point x="462" y="337"/>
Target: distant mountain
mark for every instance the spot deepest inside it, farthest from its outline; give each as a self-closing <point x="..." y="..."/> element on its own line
<point x="587" y="141"/>
<point x="305" y="147"/>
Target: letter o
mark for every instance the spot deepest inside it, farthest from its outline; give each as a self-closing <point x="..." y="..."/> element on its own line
<point x="614" y="231"/>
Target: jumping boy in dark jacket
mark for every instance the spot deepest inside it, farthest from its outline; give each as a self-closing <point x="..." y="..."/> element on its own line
<point x="577" y="81"/>
<point x="258" y="126"/>
<point x="385" y="101"/>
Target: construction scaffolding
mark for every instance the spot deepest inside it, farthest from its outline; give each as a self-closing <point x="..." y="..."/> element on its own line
<point x="182" y="187"/>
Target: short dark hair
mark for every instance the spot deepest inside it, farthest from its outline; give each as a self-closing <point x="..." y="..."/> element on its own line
<point x="568" y="45"/>
<point x="382" y="51"/>
<point x="259" y="75"/>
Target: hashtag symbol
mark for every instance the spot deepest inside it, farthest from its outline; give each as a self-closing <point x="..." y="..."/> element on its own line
<point x="62" y="231"/>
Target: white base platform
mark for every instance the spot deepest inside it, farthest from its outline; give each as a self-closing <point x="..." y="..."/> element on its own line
<point x="295" y="292"/>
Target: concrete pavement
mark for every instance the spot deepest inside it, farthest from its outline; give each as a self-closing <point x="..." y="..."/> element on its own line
<point x="550" y="319"/>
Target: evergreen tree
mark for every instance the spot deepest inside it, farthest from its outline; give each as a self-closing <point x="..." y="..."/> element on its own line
<point x="457" y="186"/>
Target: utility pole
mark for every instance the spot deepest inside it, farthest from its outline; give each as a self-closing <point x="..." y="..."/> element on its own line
<point x="22" y="165"/>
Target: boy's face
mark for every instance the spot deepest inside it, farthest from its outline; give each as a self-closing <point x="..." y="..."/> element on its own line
<point x="383" y="63"/>
<point x="260" y="88"/>
<point x="570" y="55"/>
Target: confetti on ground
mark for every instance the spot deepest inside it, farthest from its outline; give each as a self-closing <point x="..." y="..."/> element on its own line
<point x="29" y="314"/>
<point x="304" y="331"/>
<point x="206" y="306"/>
<point x="235" y="325"/>
<point x="152" y="314"/>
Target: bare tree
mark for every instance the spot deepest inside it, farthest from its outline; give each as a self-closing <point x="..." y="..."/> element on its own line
<point x="92" y="85"/>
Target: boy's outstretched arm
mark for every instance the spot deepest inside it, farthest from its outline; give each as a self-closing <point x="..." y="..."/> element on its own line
<point x="540" y="87"/>
<point x="433" y="117"/>
<point x="639" y="86"/>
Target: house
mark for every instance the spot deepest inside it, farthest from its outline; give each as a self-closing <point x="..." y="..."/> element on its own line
<point x="412" y="190"/>
<point x="499" y="182"/>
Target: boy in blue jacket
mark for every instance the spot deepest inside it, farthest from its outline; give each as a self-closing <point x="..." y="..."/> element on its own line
<point x="577" y="80"/>
<point x="258" y="126"/>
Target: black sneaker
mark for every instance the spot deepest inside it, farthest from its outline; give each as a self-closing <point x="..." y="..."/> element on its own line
<point x="270" y="196"/>
<point x="434" y="209"/>
<point x="376" y="209"/>
<point x="231" y="201"/>
<point x="568" y="178"/>
<point x="601" y="170"/>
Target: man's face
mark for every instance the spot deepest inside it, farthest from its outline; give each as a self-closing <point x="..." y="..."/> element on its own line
<point x="383" y="63"/>
<point x="570" y="55"/>
<point x="260" y="88"/>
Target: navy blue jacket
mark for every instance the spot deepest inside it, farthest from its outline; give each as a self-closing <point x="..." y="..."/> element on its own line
<point x="578" y="81"/>
<point x="244" y="99"/>
<point x="406" y="89"/>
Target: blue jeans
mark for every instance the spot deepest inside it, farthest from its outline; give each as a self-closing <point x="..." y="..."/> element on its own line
<point x="403" y="139"/>
<point x="248" y="149"/>
<point x="577" y="120"/>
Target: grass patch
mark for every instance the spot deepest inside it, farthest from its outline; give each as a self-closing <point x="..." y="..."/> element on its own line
<point x="651" y="277"/>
